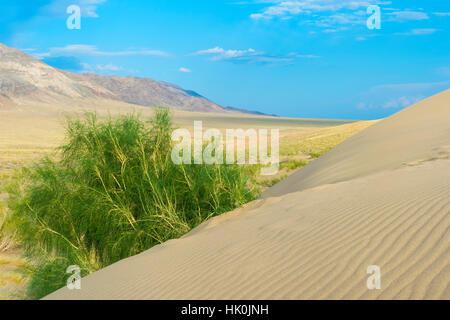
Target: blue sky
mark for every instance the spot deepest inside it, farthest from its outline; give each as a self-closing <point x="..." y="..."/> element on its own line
<point x="299" y="58"/>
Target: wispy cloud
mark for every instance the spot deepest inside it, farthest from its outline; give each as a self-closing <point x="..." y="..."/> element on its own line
<point x="442" y="14"/>
<point x="397" y="96"/>
<point x="303" y="56"/>
<point x="73" y="64"/>
<point x="337" y="21"/>
<point x="338" y="15"/>
<point x="417" y="32"/>
<point x="108" y="67"/>
<point x="214" y="50"/>
<point x="19" y="18"/>
<point x="391" y="103"/>
<point x="407" y="15"/>
<point x="218" y="53"/>
<point x="58" y="7"/>
<point x="90" y="50"/>
<point x="251" y="56"/>
<point x="185" y="70"/>
<point x="402" y="102"/>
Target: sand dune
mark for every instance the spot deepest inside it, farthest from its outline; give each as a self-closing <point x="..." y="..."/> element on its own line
<point x="380" y="198"/>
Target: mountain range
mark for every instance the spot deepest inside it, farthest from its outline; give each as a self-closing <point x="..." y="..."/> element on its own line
<point x="25" y="80"/>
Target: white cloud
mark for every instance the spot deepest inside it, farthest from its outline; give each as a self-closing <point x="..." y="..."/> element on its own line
<point x="210" y="51"/>
<point x="186" y="70"/>
<point x="89" y="7"/>
<point x="257" y="16"/>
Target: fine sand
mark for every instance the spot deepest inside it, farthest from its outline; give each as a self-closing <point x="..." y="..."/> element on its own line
<point x="380" y="198"/>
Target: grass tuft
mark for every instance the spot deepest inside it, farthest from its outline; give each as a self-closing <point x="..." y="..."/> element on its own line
<point x="113" y="192"/>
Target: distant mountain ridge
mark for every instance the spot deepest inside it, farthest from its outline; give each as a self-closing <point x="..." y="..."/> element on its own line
<point x="25" y="79"/>
<point x="258" y="113"/>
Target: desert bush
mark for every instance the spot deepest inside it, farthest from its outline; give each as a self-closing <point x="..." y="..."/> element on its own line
<point x="112" y="192"/>
<point x="6" y="238"/>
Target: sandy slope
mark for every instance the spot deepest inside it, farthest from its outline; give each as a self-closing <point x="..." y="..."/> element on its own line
<point x="381" y="198"/>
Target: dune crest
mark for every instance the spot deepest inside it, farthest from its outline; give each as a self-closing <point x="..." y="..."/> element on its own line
<point x="380" y="198"/>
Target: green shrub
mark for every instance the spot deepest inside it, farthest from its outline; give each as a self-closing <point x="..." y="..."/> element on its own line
<point x="113" y="192"/>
